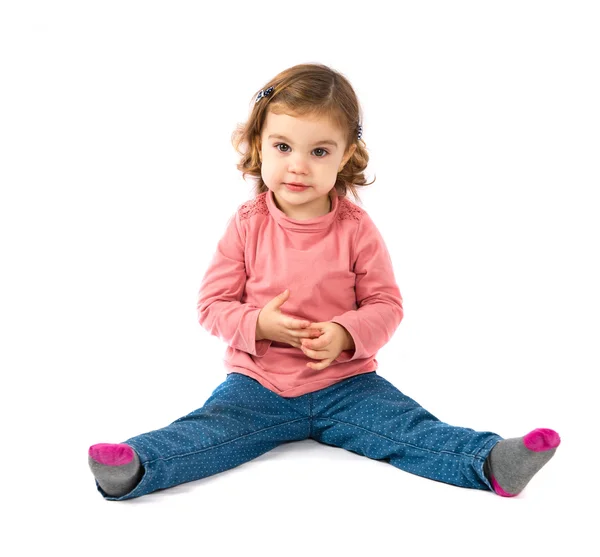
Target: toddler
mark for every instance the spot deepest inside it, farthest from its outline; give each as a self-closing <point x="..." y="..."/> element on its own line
<point x="301" y="288"/>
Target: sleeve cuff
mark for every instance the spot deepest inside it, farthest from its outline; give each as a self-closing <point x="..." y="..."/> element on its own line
<point x="261" y="347"/>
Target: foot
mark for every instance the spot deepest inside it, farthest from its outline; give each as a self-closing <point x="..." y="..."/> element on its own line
<point x="117" y="468"/>
<point x="513" y="462"/>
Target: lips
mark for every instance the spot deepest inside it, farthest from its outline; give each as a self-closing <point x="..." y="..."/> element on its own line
<point x="297" y="189"/>
<point x="297" y="184"/>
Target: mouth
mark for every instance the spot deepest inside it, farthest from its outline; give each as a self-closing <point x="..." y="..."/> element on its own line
<point x="296" y="188"/>
<point x="297" y="184"/>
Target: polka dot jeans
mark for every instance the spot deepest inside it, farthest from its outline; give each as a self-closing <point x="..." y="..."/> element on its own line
<point x="364" y="414"/>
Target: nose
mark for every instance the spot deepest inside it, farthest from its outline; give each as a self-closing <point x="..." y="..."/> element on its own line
<point x="297" y="164"/>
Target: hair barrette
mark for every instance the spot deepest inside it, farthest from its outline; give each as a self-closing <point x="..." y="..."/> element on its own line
<point x="264" y="93"/>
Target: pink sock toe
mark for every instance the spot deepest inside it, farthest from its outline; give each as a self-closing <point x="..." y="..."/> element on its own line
<point x="541" y="439"/>
<point x="110" y="454"/>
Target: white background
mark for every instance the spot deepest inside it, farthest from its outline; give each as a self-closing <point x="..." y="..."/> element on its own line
<point x="117" y="179"/>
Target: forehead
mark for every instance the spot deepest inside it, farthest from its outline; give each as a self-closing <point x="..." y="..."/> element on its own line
<point x="302" y="128"/>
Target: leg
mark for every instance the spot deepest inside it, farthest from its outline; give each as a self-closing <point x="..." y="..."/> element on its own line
<point x="240" y="421"/>
<point x="367" y="415"/>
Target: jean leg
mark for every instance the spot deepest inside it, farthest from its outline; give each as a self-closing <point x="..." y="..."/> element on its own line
<point x="240" y="421"/>
<point x="368" y="415"/>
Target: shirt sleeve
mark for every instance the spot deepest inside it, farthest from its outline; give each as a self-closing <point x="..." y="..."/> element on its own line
<point x="220" y="310"/>
<point x="378" y="299"/>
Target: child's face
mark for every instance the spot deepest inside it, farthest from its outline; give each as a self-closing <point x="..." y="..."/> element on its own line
<point x="304" y="157"/>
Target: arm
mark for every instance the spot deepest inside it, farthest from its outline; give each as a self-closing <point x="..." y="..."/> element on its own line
<point x="220" y="310"/>
<point x="378" y="297"/>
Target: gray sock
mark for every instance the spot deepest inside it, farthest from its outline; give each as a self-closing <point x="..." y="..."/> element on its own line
<point x="117" y="468"/>
<point x="513" y="462"/>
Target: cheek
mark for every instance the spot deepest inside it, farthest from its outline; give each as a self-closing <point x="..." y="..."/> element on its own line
<point x="270" y="165"/>
<point x="268" y="170"/>
<point x="264" y="173"/>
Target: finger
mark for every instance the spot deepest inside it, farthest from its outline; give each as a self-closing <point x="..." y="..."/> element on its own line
<point x="315" y="327"/>
<point x="320" y="365"/>
<point x="314" y="354"/>
<point x="314" y="343"/>
<point x="306" y="334"/>
<point x="307" y="344"/>
<point x="309" y="352"/>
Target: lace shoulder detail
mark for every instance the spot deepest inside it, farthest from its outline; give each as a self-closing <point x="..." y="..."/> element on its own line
<point x="255" y="206"/>
<point x="258" y="205"/>
<point x="348" y="210"/>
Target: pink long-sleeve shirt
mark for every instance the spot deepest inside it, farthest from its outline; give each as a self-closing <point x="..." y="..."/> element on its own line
<point x="336" y="267"/>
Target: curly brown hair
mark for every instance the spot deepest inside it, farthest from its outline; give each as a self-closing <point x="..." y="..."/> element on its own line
<point x="313" y="90"/>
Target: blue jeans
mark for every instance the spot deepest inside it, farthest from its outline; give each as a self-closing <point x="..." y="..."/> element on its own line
<point x="364" y="414"/>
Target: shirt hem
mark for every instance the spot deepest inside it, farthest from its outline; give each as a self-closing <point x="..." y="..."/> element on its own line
<point x="305" y="388"/>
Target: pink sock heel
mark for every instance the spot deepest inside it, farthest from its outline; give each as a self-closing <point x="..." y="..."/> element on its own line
<point x="499" y="490"/>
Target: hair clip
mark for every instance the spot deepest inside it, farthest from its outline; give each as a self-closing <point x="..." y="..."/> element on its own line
<point x="359" y="131"/>
<point x="264" y="93"/>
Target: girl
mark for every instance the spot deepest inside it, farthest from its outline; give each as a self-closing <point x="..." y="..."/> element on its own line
<point x="308" y="371"/>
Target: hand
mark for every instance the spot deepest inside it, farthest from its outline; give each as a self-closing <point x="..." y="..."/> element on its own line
<point x="272" y="324"/>
<point x="328" y="346"/>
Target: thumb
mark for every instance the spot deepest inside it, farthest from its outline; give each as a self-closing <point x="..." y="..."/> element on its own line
<point x="280" y="299"/>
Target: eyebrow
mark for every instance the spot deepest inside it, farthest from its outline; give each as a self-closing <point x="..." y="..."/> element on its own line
<point x="324" y="142"/>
